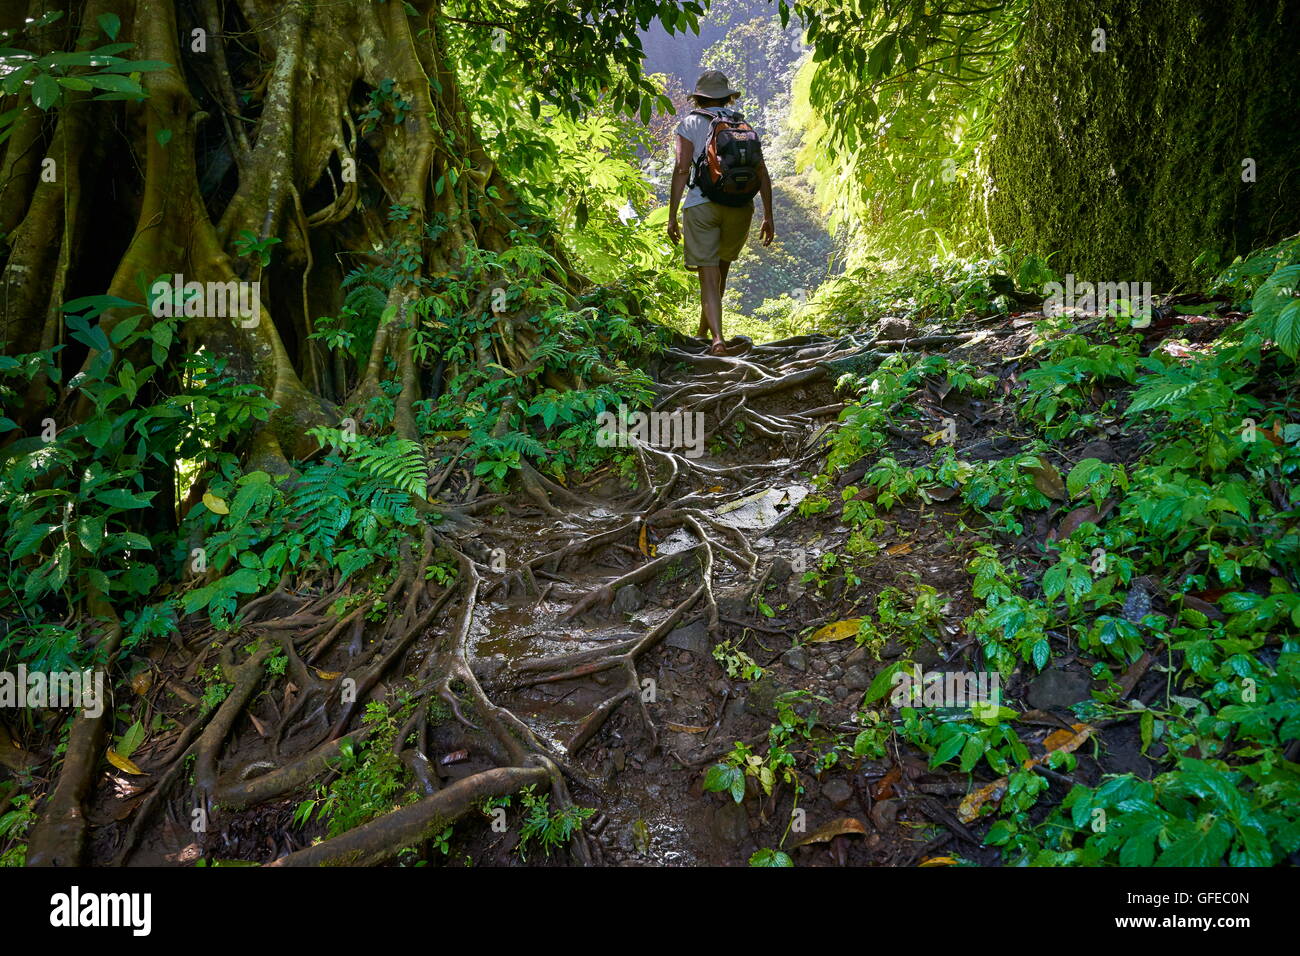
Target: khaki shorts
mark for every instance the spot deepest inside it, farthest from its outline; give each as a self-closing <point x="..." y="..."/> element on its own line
<point x="715" y="233"/>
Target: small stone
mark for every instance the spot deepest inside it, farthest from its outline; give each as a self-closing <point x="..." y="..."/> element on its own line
<point x="834" y="672"/>
<point x="892" y="328"/>
<point x="1137" y="604"/>
<point x="841" y="692"/>
<point x="856" y="656"/>
<point x="1101" y="450"/>
<point x="820" y="667"/>
<point x="892" y="650"/>
<point x="730" y="823"/>
<point x="781" y="570"/>
<point x="1058" y="688"/>
<point x="693" y="638"/>
<point x="628" y="599"/>
<point x="619" y="757"/>
<point x="857" y="677"/>
<point x="685" y="657"/>
<point x="837" y="792"/>
<point x="796" y="658"/>
<point x="761" y="701"/>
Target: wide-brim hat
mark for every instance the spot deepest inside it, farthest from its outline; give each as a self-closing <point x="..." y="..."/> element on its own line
<point x="713" y="85"/>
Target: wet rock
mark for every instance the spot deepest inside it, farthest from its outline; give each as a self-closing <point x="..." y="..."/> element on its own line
<point x="834" y="672"/>
<point x="838" y="792"/>
<point x="730" y="823"/>
<point x="796" y="658"/>
<point x="1058" y="688"/>
<point x="927" y="656"/>
<point x="761" y="701"/>
<point x="1123" y="754"/>
<point x="992" y="450"/>
<point x="884" y="813"/>
<point x="619" y="758"/>
<point x="856" y="656"/>
<point x="628" y="599"/>
<point x="892" y="327"/>
<point x="1101" y="450"/>
<point x="1138" y="602"/>
<point x="781" y="570"/>
<point x="841" y="692"/>
<point x="857" y="677"/>
<point x="892" y="650"/>
<point x="736" y="707"/>
<point x="732" y="605"/>
<point x="693" y="638"/>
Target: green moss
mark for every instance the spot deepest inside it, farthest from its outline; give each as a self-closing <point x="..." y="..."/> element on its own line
<point x="1127" y="162"/>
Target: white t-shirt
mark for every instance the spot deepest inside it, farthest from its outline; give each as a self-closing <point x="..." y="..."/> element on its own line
<point x="696" y="129"/>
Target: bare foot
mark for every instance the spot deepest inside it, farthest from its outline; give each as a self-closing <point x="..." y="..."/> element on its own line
<point x="718" y="347"/>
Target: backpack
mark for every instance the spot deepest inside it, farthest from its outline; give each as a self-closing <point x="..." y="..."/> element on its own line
<point x="727" y="169"/>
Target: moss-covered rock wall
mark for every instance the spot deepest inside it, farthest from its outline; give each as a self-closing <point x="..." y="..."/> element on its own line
<point x="1128" y="161"/>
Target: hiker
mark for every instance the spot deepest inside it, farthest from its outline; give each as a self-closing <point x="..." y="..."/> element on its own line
<point x="719" y="157"/>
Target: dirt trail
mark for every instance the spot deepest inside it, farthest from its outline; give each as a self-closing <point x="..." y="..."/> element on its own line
<point x="599" y="633"/>
<point x="575" y="646"/>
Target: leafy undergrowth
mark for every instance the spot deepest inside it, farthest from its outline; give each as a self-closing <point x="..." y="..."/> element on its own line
<point x="142" y="515"/>
<point x="1098" y="518"/>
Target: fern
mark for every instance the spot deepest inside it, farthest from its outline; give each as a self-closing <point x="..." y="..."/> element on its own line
<point x="398" y="461"/>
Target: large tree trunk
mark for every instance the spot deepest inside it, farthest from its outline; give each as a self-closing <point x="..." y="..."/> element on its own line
<point x="289" y="163"/>
<point x="262" y="138"/>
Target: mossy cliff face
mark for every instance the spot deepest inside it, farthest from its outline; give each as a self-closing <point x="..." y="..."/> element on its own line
<point x="1128" y="161"/>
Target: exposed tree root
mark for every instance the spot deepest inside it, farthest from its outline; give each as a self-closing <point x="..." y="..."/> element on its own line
<point x="383" y="838"/>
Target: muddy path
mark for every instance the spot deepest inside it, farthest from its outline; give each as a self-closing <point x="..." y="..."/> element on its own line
<point x="608" y="653"/>
<point x="606" y="643"/>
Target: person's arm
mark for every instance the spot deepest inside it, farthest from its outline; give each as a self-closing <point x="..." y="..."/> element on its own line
<point x="681" y="171"/>
<point x="768" y="230"/>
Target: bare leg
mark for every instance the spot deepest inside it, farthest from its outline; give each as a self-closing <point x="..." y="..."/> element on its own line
<point x="711" y="303"/>
<point x="723" y="268"/>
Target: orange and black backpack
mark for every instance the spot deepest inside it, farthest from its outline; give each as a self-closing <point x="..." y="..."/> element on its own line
<point x="727" y="170"/>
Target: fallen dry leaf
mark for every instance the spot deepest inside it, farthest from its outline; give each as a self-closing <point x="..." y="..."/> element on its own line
<point x="1087" y="513"/>
<point x="1048" y="480"/>
<point x="938" y="861"/>
<point x="327" y="675"/>
<point x="904" y="547"/>
<point x="884" y="788"/>
<point x="123" y="764"/>
<point x="940" y="492"/>
<point x="684" y="728"/>
<point x="828" y="831"/>
<point x="1065" y="741"/>
<point x="835" y="632"/>
<point x="973" y="802"/>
